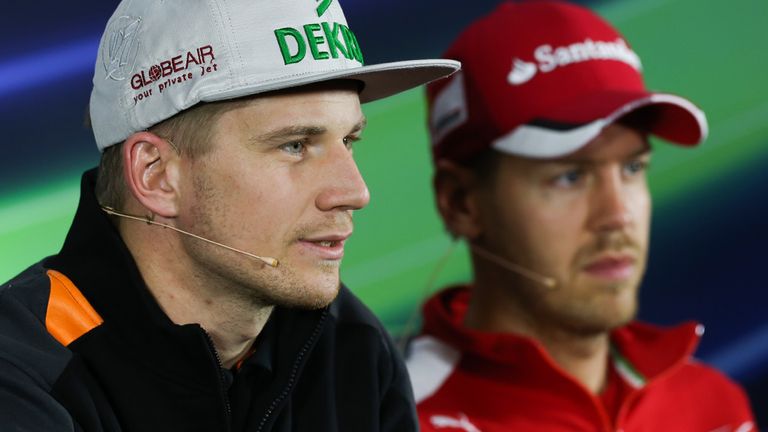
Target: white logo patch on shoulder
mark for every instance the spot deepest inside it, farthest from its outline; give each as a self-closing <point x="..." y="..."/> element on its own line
<point x="461" y="422"/>
<point x="747" y="426"/>
<point x="430" y="362"/>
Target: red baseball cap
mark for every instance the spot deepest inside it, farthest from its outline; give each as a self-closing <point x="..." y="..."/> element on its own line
<point x="541" y="79"/>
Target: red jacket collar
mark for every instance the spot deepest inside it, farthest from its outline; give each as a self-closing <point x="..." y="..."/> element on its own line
<point x="650" y="349"/>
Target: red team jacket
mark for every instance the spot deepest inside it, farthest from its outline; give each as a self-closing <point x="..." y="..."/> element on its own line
<point x="466" y="380"/>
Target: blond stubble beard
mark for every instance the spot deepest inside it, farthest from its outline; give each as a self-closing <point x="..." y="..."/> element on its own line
<point x="257" y="284"/>
<point x="248" y="280"/>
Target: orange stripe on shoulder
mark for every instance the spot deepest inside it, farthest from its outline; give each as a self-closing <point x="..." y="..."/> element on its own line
<point x="69" y="314"/>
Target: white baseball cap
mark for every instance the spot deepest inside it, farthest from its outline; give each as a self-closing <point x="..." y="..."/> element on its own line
<point x="160" y="57"/>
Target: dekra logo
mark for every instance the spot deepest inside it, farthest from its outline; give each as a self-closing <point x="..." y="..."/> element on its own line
<point x="325" y="40"/>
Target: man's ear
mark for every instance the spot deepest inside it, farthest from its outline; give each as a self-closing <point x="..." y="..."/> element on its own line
<point x="456" y="193"/>
<point x="151" y="167"/>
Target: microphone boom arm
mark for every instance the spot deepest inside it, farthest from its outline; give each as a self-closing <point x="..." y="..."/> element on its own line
<point x="272" y="262"/>
<point x="543" y="280"/>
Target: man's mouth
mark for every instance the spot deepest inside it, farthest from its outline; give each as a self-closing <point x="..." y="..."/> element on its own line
<point x="326" y="246"/>
<point x="611" y="267"/>
<point x="326" y="243"/>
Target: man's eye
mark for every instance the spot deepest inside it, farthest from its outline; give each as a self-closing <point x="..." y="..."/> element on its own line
<point x="294" y="147"/>
<point x="569" y="178"/>
<point x="349" y="141"/>
<point x="635" y="167"/>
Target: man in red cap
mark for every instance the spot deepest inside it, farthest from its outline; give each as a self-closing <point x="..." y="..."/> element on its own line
<point x="541" y="148"/>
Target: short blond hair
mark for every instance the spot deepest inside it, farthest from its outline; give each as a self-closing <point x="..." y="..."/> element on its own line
<point x="190" y="131"/>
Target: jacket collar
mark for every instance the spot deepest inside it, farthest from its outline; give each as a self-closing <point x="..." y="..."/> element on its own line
<point x="98" y="262"/>
<point x="649" y="349"/>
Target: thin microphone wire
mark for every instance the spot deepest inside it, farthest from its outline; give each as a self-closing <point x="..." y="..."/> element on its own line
<point x="272" y="262"/>
<point x="408" y="329"/>
<point x="410" y="325"/>
<point x="543" y="280"/>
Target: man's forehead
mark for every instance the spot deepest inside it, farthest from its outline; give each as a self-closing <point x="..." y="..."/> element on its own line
<point x="614" y="142"/>
<point x="267" y="119"/>
<point x="308" y="107"/>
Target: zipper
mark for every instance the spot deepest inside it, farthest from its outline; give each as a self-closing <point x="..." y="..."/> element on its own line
<point x="667" y="372"/>
<point x="294" y="371"/>
<point x="222" y="383"/>
<point x="595" y="403"/>
<point x="627" y="370"/>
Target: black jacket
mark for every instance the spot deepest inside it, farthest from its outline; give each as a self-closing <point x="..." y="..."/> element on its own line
<point x="111" y="360"/>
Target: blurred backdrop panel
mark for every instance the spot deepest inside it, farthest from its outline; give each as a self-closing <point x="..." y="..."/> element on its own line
<point x="710" y="228"/>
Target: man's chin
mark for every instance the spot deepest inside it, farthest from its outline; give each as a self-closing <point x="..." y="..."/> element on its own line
<point x="603" y="320"/>
<point x="597" y="328"/>
<point x="314" y="299"/>
<point x="316" y="293"/>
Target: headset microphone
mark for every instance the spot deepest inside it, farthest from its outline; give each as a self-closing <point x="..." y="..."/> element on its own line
<point x="272" y="262"/>
<point x="548" y="282"/>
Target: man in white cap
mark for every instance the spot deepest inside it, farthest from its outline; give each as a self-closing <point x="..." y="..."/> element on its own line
<point x="198" y="288"/>
<point x="541" y="147"/>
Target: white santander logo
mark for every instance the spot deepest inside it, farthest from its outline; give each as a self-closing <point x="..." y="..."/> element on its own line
<point x="522" y="72"/>
<point x="549" y="58"/>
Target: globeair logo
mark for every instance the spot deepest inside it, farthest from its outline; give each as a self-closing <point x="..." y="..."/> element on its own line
<point x="550" y="58"/>
<point x="325" y="40"/>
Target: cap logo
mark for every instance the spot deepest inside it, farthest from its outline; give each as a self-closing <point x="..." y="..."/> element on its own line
<point x="522" y="72"/>
<point x="449" y="110"/>
<point x="172" y="71"/>
<point x="325" y="40"/>
<point x="121" y="46"/>
<point x="323" y="6"/>
<point x="550" y="59"/>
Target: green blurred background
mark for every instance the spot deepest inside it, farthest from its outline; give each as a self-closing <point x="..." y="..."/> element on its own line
<point x="709" y="232"/>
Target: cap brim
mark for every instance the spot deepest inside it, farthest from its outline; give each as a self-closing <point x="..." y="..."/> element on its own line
<point x="379" y="81"/>
<point x="674" y="119"/>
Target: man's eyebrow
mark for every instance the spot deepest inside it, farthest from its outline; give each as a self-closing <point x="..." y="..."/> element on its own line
<point x="299" y="130"/>
<point x="360" y="125"/>
<point x="287" y="132"/>
<point x="646" y="149"/>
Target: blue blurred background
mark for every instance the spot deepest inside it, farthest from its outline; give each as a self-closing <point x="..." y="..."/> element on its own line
<point x="710" y="227"/>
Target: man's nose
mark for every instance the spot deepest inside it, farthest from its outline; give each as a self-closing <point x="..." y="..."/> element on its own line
<point x="610" y="209"/>
<point x="344" y="186"/>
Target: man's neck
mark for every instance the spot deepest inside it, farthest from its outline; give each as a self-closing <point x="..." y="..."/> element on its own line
<point x="583" y="357"/>
<point x="232" y="322"/>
